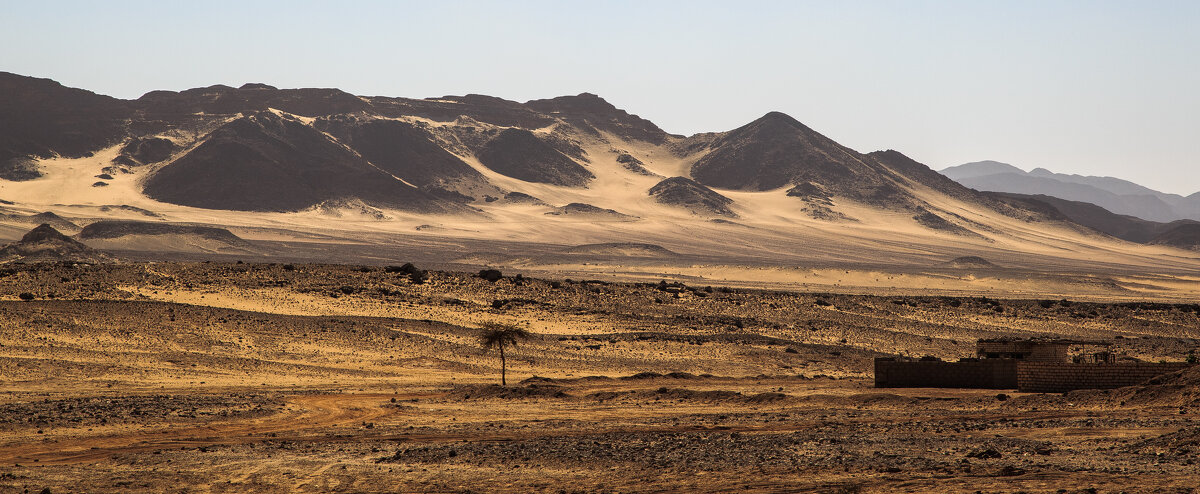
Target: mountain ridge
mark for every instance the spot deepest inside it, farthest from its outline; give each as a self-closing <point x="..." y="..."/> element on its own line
<point x="547" y="170"/>
<point x="1115" y="194"/>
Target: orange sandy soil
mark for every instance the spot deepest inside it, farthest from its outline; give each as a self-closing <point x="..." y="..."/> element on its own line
<point x="265" y="378"/>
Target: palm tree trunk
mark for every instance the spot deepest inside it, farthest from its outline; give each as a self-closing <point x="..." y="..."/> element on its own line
<point x="503" y="367"/>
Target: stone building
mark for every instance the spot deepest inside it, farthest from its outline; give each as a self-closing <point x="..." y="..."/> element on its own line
<point x="1027" y="365"/>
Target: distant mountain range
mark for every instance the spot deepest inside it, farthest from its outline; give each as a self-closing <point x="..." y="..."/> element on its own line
<point x="1116" y="195"/>
<point x="258" y="148"/>
<point x="565" y="170"/>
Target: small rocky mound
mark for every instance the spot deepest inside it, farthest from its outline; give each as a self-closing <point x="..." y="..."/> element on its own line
<point x="102" y="230"/>
<point x="47" y="218"/>
<point x="688" y="194"/>
<point x="45" y="244"/>
<point x="970" y="262"/>
<point x="133" y="209"/>
<point x="496" y="392"/>
<point x="1180" y="388"/>
<point x="19" y="169"/>
<point x="581" y="209"/>
<point x="691" y="395"/>
<point x="634" y="165"/>
<point x="146" y="151"/>
<point x="522" y="198"/>
<point x="625" y="249"/>
<point x="932" y="221"/>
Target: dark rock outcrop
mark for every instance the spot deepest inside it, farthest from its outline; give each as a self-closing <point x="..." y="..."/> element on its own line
<point x="401" y="149"/>
<point x="522" y="155"/>
<point x="45" y="244"/>
<point x="590" y="112"/>
<point x="581" y="209"/>
<point x="146" y="150"/>
<point x="688" y="194"/>
<point x="1183" y="236"/>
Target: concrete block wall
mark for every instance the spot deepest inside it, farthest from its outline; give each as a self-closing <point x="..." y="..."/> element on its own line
<point x="1046" y="377"/>
<point x="979" y="374"/>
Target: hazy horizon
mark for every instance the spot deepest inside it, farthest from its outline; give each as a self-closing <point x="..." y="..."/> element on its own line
<point x="1098" y="88"/>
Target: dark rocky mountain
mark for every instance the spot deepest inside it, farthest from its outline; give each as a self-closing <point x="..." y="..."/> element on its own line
<point x="268" y="162"/>
<point x="591" y="113"/>
<point x="40" y="118"/>
<point x="45" y="244"/>
<point x="1114" y="194"/>
<point x="1121" y="226"/>
<point x="520" y="154"/>
<point x="1181" y="235"/>
<point x="403" y="150"/>
<point x="260" y="148"/>
<point x="226" y="100"/>
<point x="778" y="151"/>
<point x="688" y="194"/>
<point x="772" y="152"/>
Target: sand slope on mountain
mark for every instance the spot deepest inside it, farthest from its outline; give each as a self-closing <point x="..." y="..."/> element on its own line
<point x="688" y="194"/>
<point x="44" y="243"/>
<point x="621" y="249"/>
<point x="402" y="149"/>
<point x="268" y="162"/>
<point x="522" y="155"/>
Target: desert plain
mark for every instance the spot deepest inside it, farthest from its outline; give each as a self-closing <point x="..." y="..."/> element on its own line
<point x="271" y="377"/>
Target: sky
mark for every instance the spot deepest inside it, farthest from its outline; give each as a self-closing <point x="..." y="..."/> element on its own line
<point x="1088" y="87"/>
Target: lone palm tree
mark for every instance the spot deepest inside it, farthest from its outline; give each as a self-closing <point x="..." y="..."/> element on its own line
<point x="496" y="335"/>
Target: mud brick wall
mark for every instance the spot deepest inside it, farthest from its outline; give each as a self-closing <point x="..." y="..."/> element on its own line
<point x="981" y="374"/>
<point x="1045" y="377"/>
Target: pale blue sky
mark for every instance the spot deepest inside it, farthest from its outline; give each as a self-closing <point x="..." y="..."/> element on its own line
<point x="1091" y="87"/>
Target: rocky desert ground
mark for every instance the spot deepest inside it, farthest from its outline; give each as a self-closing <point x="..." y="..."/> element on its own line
<point x="248" y="377"/>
